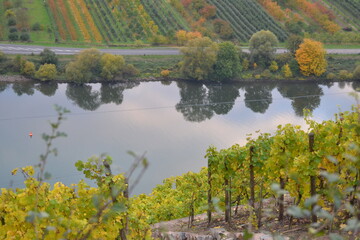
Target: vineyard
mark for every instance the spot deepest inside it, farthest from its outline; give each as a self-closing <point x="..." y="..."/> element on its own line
<point x="318" y="168"/>
<point x="127" y="21"/>
<point x="350" y="9"/>
<point x="246" y="18"/>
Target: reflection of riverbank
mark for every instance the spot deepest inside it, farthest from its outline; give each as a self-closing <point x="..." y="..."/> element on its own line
<point x="14" y="78"/>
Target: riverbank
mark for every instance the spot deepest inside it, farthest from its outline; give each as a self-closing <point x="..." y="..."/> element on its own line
<point x="150" y="67"/>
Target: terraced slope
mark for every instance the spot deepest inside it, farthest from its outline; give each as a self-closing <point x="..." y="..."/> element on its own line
<point x="165" y="16"/>
<point x="246" y="18"/>
<point x="348" y="9"/>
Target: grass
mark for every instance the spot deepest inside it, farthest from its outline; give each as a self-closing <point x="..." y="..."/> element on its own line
<point x="38" y="14"/>
<point x="342" y="62"/>
<point x="153" y="64"/>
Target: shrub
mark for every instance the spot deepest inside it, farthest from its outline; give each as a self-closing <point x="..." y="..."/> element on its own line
<point x="46" y="72"/>
<point x="331" y="76"/>
<point x="266" y="73"/>
<point x="48" y="56"/>
<point x="111" y="66"/>
<point x="11" y="22"/>
<point x="356" y="74"/>
<point x="283" y="58"/>
<point x="36" y="26"/>
<point x="286" y="71"/>
<point x="2" y="57"/>
<point x="24" y="37"/>
<point x="28" y="69"/>
<point x="345" y="75"/>
<point x="12" y="30"/>
<point x="13" y="36"/>
<point x="130" y="71"/>
<point x="165" y="73"/>
<point x="245" y="64"/>
<point x="273" y="66"/>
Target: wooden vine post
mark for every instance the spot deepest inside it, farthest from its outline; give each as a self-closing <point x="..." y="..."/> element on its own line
<point x="312" y="177"/>
<point x="210" y="204"/>
<point x="252" y="179"/>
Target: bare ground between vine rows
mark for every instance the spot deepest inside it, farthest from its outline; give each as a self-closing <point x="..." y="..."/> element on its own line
<point x="298" y="229"/>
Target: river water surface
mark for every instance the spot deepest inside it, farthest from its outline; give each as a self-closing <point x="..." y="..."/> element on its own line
<point x="173" y="124"/>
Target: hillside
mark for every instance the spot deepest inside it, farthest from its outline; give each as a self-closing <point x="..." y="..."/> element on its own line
<point x="115" y="22"/>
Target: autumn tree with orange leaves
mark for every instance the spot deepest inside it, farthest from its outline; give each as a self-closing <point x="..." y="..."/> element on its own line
<point x="311" y="58"/>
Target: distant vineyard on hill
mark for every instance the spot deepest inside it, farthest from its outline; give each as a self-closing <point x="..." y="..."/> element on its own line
<point x="115" y="22"/>
<point x="246" y="18"/>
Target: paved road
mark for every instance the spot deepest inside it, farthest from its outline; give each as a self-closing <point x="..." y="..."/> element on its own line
<point x="29" y="49"/>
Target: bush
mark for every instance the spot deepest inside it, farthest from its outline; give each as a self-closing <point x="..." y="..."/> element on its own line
<point x="331" y="76"/>
<point x="2" y="57"/>
<point x="36" y="27"/>
<point x="48" y="56"/>
<point x="130" y="71"/>
<point x="12" y="30"/>
<point x="165" y="73"/>
<point x="11" y="22"/>
<point x="356" y="74"/>
<point x="345" y="75"/>
<point x="266" y="73"/>
<point x="273" y="66"/>
<point x="25" y="37"/>
<point x="46" y="72"/>
<point x="283" y="58"/>
<point x="28" y="69"/>
<point x="286" y="71"/>
<point x="13" y="36"/>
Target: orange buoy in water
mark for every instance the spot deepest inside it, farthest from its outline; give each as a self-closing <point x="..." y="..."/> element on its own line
<point x="30" y="134"/>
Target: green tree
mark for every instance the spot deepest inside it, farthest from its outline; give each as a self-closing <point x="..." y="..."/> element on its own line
<point x="262" y="47"/>
<point x="85" y="67"/>
<point x="111" y="66"/>
<point x="293" y="43"/>
<point x="28" y="69"/>
<point x="48" y="56"/>
<point x="46" y="72"/>
<point x="227" y="65"/>
<point x="199" y="57"/>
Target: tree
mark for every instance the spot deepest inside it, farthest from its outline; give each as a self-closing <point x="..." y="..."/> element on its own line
<point x="199" y="57"/>
<point x="262" y="47"/>
<point x="85" y="67"/>
<point x="311" y="58"/>
<point x="48" y="56"/>
<point x="111" y="66"/>
<point x="46" y="72"/>
<point x="293" y="43"/>
<point x="227" y="65"/>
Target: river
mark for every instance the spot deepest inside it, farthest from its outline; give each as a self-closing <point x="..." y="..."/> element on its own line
<point x="172" y="123"/>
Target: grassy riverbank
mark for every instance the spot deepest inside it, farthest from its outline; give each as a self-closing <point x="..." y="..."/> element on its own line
<point x="150" y="67"/>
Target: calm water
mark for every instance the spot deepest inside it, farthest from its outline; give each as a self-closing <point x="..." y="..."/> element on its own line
<point x="173" y="124"/>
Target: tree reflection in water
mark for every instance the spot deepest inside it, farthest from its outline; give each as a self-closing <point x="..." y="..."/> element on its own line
<point x="21" y="88"/>
<point x="258" y="96"/>
<point x="303" y="95"/>
<point x="194" y="103"/>
<point x="83" y="96"/>
<point x="222" y="97"/>
<point x="3" y="86"/>
<point x="113" y="92"/>
<point x="356" y="86"/>
<point x="47" y="88"/>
